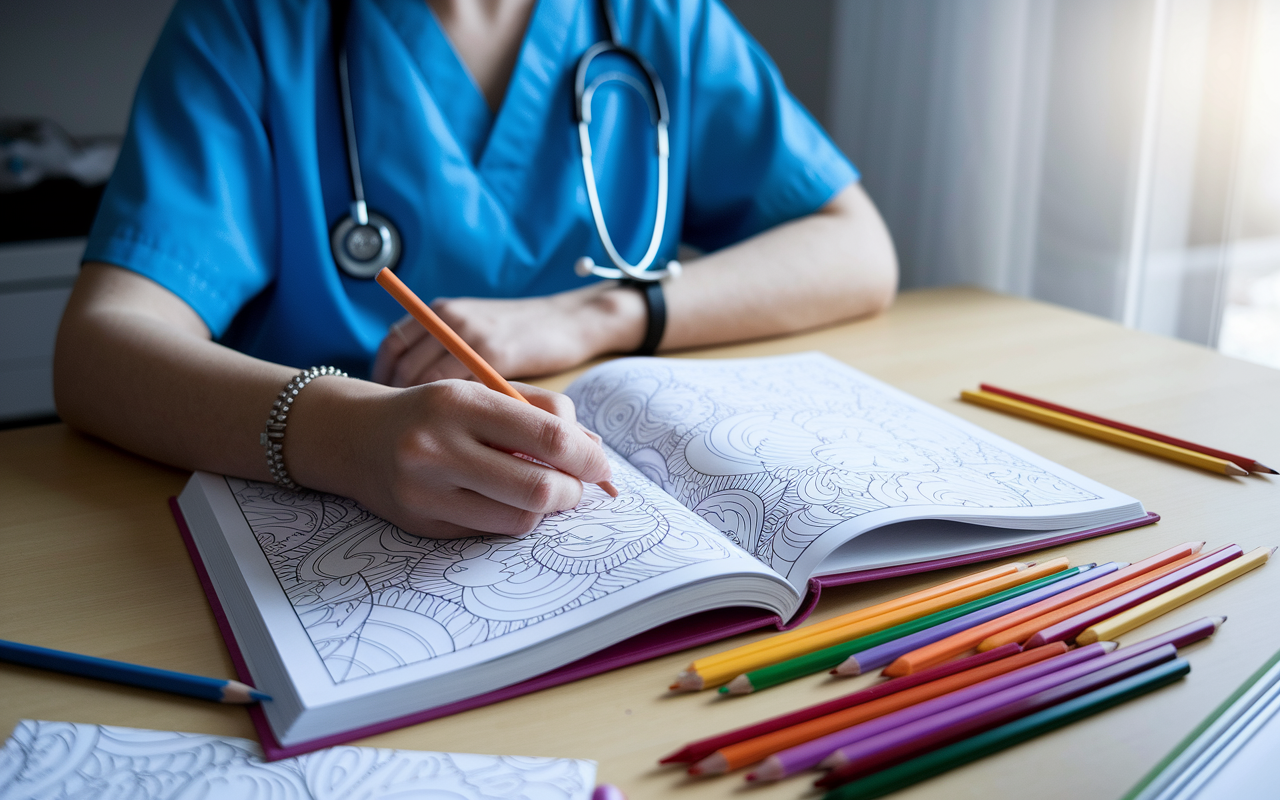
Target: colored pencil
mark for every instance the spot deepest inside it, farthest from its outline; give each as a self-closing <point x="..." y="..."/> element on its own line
<point x="1241" y="461"/>
<point x="880" y="655"/>
<point x="455" y="344"/>
<point x="829" y="657"/>
<point x="747" y="752"/>
<point x="607" y="791"/>
<point x="1069" y="628"/>
<point x="721" y="673"/>
<point x="843" y="620"/>
<point x="813" y="750"/>
<point x="1023" y="631"/>
<point x="696" y="751"/>
<point x="1178" y="638"/>
<point x="939" y="730"/>
<point x="965" y="640"/>
<point x="1143" y="613"/>
<point x="215" y="689"/>
<point x="1103" y="432"/>
<point x="947" y="758"/>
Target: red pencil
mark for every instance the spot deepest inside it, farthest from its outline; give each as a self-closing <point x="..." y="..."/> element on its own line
<point x="696" y="751"/>
<point x="1240" y="461"/>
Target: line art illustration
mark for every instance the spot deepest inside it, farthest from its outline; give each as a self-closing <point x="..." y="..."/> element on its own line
<point x="804" y="445"/>
<point x="373" y="598"/>
<point x="60" y="760"/>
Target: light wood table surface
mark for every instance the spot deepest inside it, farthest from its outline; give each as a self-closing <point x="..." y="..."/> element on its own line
<point x="90" y="561"/>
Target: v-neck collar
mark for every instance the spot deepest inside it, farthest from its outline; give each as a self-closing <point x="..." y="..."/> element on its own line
<point x="446" y="76"/>
<point x="498" y="143"/>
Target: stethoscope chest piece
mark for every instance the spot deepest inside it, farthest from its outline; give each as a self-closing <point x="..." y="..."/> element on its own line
<point x="363" y="250"/>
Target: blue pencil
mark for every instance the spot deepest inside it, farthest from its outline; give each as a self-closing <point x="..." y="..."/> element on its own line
<point x="217" y="690"/>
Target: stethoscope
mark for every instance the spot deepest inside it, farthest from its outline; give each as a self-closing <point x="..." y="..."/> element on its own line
<point x="364" y="241"/>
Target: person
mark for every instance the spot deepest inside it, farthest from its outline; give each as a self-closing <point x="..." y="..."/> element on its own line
<point x="209" y="280"/>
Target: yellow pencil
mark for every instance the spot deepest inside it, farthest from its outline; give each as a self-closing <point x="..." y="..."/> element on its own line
<point x="726" y="671"/>
<point x="1103" y="432"/>
<point x="1143" y="613"/>
<point x="962" y="582"/>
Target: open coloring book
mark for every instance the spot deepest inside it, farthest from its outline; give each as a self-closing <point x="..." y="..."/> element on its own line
<point x="744" y="483"/>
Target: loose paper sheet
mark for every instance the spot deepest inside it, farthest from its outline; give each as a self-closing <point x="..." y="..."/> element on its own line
<point x="66" y="760"/>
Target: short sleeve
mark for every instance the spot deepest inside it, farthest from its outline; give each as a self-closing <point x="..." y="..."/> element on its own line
<point x="191" y="204"/>
<point x="758" y="158"/>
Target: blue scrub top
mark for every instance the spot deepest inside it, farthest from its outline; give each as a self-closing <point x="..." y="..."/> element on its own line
<point x="233" y="169"/>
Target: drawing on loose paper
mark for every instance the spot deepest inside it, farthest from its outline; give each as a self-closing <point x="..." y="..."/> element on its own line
<point x="373" y="598"/>
<point x="805" y="444"/>
<point x="66" y="759"/>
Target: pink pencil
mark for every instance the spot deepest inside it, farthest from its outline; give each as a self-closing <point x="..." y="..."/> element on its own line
<point x="1069" y="628"/>
<point x="809" y="754"/>
<point x="696" y="751"/>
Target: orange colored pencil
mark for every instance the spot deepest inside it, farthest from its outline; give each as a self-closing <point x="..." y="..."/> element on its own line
<point x="953" y="646"/>
<point x="963" y="582"/>
<point x="742" y="754"/>
<point x="454" y="343"/>
<point x="1024" y="631"/>
<point x="726" y="671"/>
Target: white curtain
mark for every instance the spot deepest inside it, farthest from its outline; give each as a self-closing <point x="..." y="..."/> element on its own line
<point x="1121" y="157"/>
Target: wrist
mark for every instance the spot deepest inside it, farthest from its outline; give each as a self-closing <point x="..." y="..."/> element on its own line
<point x="328" y="435"/>
<point x="621" y="319"/>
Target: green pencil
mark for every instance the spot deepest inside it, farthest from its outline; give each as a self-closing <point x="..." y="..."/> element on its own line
<point x="984" y="744"/>
<point x="833" y="656"/>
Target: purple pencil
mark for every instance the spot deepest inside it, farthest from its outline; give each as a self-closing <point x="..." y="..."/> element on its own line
<point x="1178" y="638"/>
<point x="1069" y="628"/>
<point x="940" y="729"/>
<point x="888" y="652"/>
<point x="929" y="734"/>
<point x="809" y="754"/>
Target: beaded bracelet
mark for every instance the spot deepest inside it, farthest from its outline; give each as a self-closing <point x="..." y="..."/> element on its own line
<point x="272" y="439"/>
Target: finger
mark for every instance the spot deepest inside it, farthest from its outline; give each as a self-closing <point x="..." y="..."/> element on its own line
<point x="415" y="365"/>
<point x="400" y="338"/>
<point x="467" y="513"/>
<point x="547" y="400"/>
<point x="517" y="482"/>
<point x="445" y="368"/>
<point x="523" y="428"/>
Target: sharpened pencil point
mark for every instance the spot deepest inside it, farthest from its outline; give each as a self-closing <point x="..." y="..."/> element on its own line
<point x="1217" y="622"/>
<point x="1232" y="468"/>
<point x="689" y="682"/>
<point x="714" y="764"/>
<point x="609" y="488"/>
<point x="1264" y="468"/>
<point x="739" y="685"/>
<point x="849" y="668"/>
<point x="1108" y="647"/>
<point x="261" y="697"/>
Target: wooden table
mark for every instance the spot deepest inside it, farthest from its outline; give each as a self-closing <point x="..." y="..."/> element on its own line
<point x="90" y="561"/>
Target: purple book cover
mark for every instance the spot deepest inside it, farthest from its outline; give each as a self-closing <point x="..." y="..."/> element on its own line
<point x="668" y="638"/>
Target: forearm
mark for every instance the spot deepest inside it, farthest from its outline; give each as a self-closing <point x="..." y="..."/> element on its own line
<point x="152" y="382"/>
<point x="830" y="266"/>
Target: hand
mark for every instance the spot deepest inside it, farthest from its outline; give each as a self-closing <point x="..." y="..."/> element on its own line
<point x="519" y="338"/>
<point x="437" y="460"/>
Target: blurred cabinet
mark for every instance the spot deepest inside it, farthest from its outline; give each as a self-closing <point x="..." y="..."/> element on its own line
<point x="35" y="282"/>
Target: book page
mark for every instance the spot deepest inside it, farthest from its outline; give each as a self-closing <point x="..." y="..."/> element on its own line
<point x="57" y="760"/>
<point x="375" y="602"/>
<point x="776" y="452"/>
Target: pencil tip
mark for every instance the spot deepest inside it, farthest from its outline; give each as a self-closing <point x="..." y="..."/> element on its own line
<point x="609" y="488"/>
<point x="1108" y="647"/>
<point x="1217" y="622"/>
<point x="1264" y="468"/>
<point x="261" y="697"/>
<point x="673" y="687"/>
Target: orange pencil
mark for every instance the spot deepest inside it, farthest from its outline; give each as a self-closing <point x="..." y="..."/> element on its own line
<point x="1024" y="631"/>
<point x="728" y="671"/>
<point x="953" y="646"/>
<point x="454" y="344"/>
<point x="742" y="754"/>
